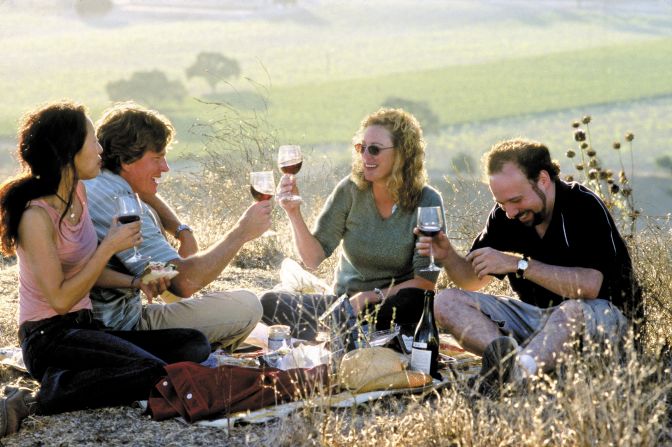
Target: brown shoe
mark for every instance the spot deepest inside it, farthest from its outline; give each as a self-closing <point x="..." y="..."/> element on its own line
<point x="14" y="408"/>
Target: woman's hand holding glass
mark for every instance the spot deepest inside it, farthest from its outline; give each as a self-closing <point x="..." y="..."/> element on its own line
<point x="129" y="210"/>
<point x="288" y="188"/>
<point x="290" y="160"/>
<point x="121" y="237"/>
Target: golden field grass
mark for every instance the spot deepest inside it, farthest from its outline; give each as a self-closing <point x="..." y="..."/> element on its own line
<point x="597" y="402"/>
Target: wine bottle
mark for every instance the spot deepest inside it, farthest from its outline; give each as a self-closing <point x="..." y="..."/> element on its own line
<point x="425" y="351"/>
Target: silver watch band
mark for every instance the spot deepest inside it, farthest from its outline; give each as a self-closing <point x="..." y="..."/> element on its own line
<point x="182" y="227"/>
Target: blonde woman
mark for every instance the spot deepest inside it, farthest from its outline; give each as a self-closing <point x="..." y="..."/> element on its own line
<point x="372" y="213"/>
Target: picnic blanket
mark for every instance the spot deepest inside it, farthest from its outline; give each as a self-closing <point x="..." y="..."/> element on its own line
<point x="197" y="392"/>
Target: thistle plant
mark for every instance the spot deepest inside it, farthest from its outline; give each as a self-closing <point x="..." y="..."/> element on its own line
<point x="615" y="191"/>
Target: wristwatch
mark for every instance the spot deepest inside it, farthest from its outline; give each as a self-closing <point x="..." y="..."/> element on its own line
<point x="380" y="294"/>
<point x="182" y="227"/>
<point x="522" y="266"/>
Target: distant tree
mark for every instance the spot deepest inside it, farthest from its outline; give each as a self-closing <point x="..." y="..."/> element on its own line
<point x="463" y="163"/>
<point x="428" y="119"/>
<point x="93" y="8"/>
<point x="214" y="68"/>
<point x="665" y="162"/>
<point x="146" y="86"/>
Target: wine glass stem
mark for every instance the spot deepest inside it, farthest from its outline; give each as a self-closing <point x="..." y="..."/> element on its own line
<point x="431" y="256"/>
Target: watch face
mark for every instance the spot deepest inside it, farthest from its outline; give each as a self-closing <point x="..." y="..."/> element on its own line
<point x="522" y="264"/>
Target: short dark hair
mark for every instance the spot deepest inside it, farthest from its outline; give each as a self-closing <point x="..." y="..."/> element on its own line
<point x="127" y="130"/>
<point x="530" y="156"/>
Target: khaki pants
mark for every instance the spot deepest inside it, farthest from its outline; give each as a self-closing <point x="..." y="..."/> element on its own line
<point x="226" y="318"/>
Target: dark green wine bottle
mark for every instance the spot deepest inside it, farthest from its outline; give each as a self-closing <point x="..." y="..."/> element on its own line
<point x="425" y="352"/>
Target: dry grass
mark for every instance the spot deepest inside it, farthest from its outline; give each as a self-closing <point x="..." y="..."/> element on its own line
<point x="596" y="401"/>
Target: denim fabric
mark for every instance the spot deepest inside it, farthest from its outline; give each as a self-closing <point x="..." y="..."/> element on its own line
<point x="81" y="366"/>
<point x="300" y="312"/>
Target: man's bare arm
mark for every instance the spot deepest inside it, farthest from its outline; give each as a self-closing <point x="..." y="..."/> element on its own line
<point x="568" y="282"/>
<point x="200" y="269"/>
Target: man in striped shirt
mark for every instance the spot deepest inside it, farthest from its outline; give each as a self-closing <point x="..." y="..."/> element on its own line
<point x="562" y="253"/>
<point x="135" y="141"/>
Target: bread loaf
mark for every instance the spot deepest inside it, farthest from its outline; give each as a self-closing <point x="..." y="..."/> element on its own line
<point x="370" y="369"/>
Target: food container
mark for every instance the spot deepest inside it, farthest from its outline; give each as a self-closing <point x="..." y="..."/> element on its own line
<point x="278" y="336"/>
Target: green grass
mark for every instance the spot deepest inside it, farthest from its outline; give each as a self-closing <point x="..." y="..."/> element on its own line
<point x="327" y="112"/>
<point x="328" y="62"/>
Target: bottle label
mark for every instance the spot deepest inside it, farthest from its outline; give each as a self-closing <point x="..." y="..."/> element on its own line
<point x="408" y="342"/>
<point x="421" y="360"/>
<point x="420" y="344"/>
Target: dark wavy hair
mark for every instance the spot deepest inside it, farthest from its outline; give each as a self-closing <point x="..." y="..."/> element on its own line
<point x="408" y="175"/>
<point x="48" y="140"/>
<point x="530" y="156"/>
<point x="127" y="130"/>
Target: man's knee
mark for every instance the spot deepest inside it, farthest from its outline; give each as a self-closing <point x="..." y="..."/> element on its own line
<point x="247" y="305"/>
<point x="448" y="304"/>
<point x="252" y="303"/>
<point x="572" y="310"/>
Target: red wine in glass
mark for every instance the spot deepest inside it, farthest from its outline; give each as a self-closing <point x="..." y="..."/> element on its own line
<point x="129" y="209"/>
<point x="292" y="169"/>
<point x="259" y="196"/>
<point x="429" y="230"/>
<point x="290" y="160"/>
<point x="129" y="218"/>
<point x="430" y="221"/>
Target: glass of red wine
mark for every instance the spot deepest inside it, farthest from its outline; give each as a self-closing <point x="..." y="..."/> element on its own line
<point x="129" y="209"/>
<point x="262" y="187"/>
<point x="290" y="160"/>
<point x="430" y="221"/>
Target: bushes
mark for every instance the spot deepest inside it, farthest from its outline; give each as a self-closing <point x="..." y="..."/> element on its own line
<point x="214" y="68"/>
<point x="150" y="87"/>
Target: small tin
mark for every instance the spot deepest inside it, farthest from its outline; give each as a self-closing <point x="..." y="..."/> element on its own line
<point x="278" y="335"/>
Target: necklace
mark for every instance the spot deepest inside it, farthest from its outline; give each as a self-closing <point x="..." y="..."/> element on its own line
<point x="72" y="207"/>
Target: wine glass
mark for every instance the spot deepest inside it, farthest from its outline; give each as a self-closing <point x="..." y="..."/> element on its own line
<point x="290" y="160"/>
<point x="430" y="221"/>
<point x="129" y="209"/>
<point x="262" y="187"/>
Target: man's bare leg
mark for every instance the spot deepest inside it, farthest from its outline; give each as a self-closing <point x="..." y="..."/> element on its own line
<point x="459" y="313"/>
<point x="555" y="337"/>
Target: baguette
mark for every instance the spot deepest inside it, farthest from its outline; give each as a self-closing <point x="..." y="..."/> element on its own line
<point x="397" y="380"/>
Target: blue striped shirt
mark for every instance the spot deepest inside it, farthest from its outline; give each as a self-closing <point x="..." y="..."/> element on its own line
<point x="120" y="309"/>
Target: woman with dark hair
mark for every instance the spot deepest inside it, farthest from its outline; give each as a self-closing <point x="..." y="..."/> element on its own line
<point x="45" y="221"/>
<point x="371" y="213"/>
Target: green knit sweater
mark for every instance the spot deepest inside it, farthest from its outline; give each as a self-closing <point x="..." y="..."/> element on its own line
<point x="375" y="251"/>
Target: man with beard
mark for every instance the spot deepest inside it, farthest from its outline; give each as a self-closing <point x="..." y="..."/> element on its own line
<point x="562" y="253"/>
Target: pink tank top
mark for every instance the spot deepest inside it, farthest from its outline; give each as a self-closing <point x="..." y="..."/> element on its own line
<point x="75" y="244"/>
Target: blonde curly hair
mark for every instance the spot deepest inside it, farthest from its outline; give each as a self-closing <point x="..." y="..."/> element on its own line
<point x="408" y="175"/>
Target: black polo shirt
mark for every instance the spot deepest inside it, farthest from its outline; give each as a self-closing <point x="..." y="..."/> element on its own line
<point x="581" y="233"/>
